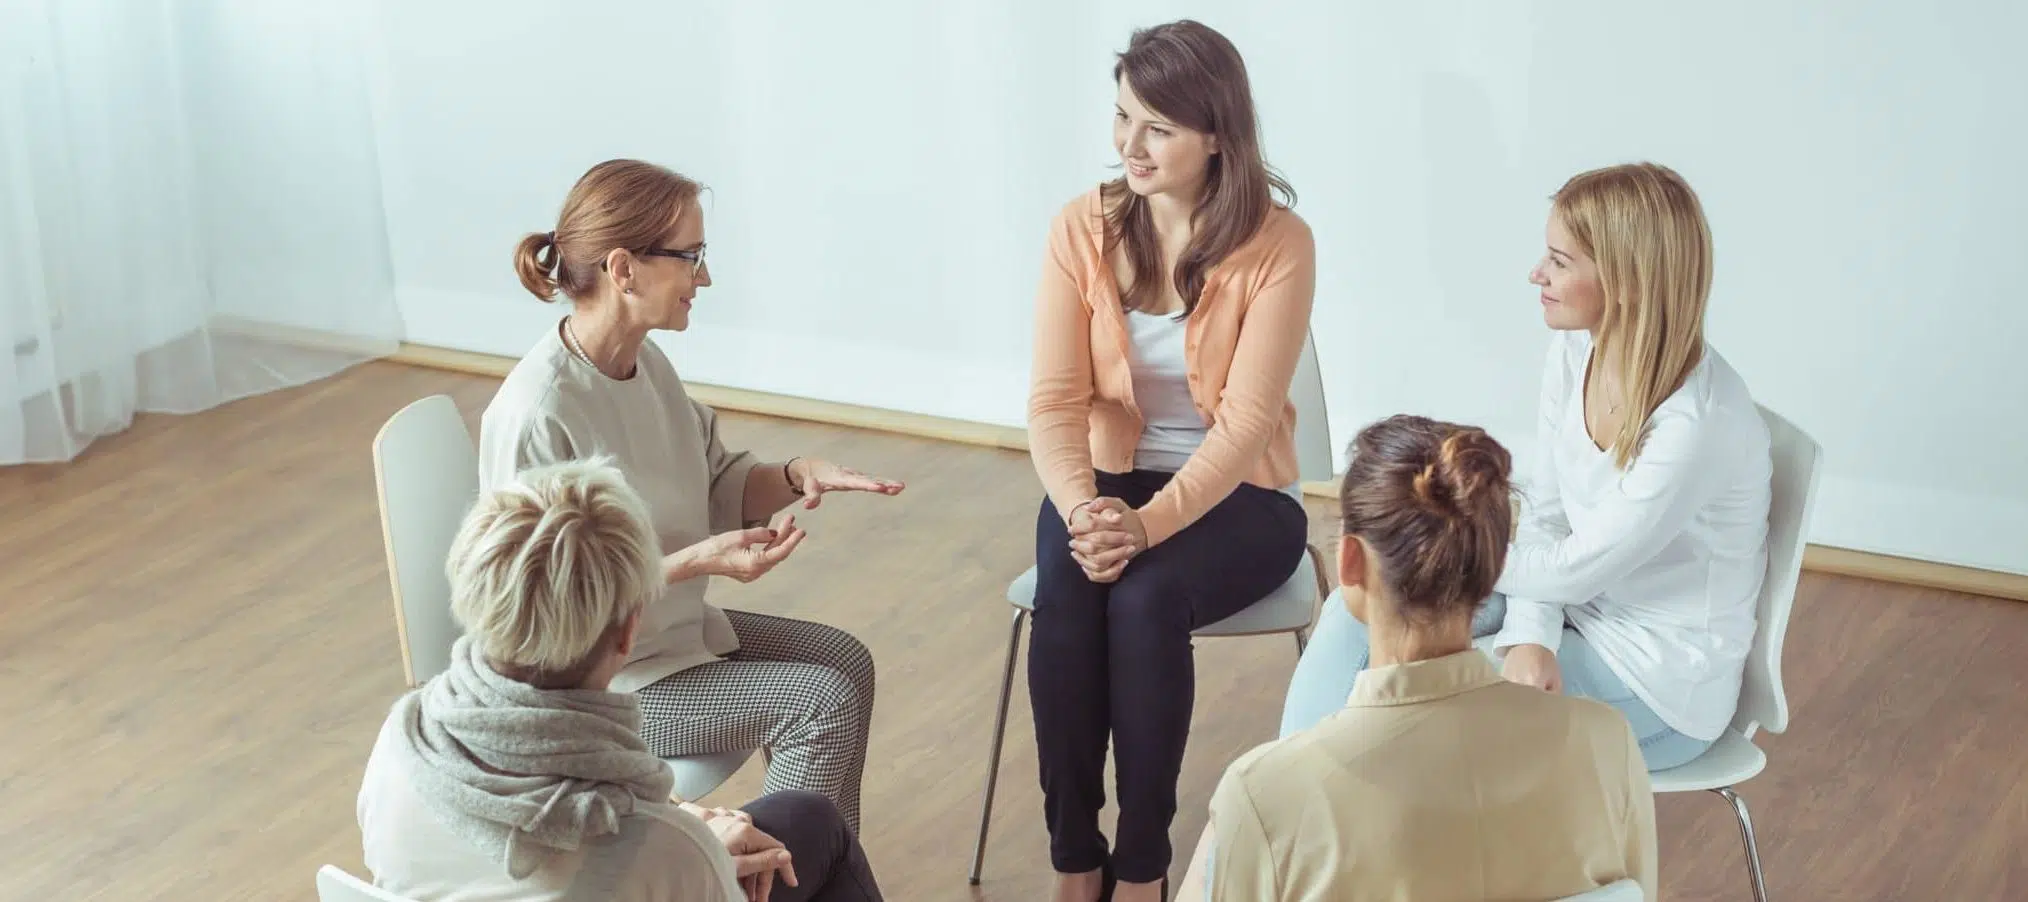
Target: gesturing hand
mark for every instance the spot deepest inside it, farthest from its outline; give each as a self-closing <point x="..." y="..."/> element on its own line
<point x="744" y="555"/>
<point x="756" y="856"/>
<point x="815" y="477"/>
<point x="1533" y="665"/>
<point x="1104" y="535"/>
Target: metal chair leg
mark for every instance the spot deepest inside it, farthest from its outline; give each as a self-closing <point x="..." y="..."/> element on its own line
<point x="1746" y="835"/>
<point x="999" y="736"/>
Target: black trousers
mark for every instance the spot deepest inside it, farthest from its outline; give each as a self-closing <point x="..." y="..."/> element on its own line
<point x="1115" y="660"/>
<point x="830" y="865"/>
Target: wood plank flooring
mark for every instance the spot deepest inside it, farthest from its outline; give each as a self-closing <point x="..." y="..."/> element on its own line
<point x="198" y="644"/>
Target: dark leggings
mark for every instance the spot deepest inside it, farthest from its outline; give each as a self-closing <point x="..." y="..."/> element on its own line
<point x="1115" y="661"/>
<point x="830" y="865"/>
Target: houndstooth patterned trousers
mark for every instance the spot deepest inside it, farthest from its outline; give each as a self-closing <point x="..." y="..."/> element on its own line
<point x="802" y="690"/>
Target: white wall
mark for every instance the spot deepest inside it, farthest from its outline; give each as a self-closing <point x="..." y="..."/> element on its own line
<point x="883" y="174"/>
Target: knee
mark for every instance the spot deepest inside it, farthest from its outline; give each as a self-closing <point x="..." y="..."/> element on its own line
<point x="1145" y="604"/>
<point x="833" y="693"/>
<point x="858" y="661"/>
<point x="847" y="655"/>
<point x="791" y="813"/>
<point x="808" y="806"/>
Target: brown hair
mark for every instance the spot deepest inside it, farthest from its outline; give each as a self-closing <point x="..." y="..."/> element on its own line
<point x="624" y="204"/>
<point x="1645" y="228"/>
<point x="1434" y="502"/>
<point x="1194" y="77"/>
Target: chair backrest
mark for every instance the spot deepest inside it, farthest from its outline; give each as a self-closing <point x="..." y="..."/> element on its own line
<point x="1763" y="703"/>
<point x="1622" y="890"/>
<point x="1315" y="459"/>
<point x="334" y="885"/>
<point x="427" y="472"/>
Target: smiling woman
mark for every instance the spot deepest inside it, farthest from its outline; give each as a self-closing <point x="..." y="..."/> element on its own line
<point x="627" y="253"/>
<point x="1173" y="308"/>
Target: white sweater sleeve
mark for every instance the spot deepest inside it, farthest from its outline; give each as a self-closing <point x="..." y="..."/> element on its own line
<point x="1530" y="621"/>
<point x="1651" y="503"/>
<point x="1542" y="517"/>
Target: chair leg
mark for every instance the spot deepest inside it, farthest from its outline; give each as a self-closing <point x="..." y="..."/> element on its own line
<point x="999" y="736"/>
<point x="1323" y="592"/>
<point x="1746" y="835"/>
<point x="1323" y="580"/>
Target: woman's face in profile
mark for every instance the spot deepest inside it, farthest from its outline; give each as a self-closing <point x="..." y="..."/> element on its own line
<point x="665" y="287"/>
<point x="1160" y="156"/>
<point x="1572" y="298"/>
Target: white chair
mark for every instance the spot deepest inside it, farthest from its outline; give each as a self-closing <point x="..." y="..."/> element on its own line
<point x="334" y="885"/>
<point x="1734" y="759"/>
<point x="1292" y="608"/>
<point x="1624" y="890"/>
<point x="427" y="473"/>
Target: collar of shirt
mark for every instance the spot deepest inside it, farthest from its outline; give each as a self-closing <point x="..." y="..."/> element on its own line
<point x="1423" y="681"/>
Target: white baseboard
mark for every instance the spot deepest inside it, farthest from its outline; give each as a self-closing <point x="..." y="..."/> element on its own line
<point x="1826" y="555"/>
<point x="884" y="377"/>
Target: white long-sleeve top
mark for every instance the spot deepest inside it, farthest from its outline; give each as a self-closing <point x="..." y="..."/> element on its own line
<point x="1657" y="566"/>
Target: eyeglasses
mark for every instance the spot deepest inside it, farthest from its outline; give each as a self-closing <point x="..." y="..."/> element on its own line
<point x="695" y="257"/>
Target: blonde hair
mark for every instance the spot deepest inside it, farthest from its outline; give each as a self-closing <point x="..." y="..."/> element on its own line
<point x="545" y="568"/>
<point x="1645" y="229"/>
<point x="618" y="204"/>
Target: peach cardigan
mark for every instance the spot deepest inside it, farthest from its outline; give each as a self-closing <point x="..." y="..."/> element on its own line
<point x="1241" y="343"/>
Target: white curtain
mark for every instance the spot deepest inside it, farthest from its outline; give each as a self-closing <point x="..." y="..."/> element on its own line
<point x="190" y="212"/>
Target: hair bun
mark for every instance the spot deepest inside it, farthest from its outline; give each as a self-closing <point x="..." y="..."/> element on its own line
<point x="1468" y="465"/>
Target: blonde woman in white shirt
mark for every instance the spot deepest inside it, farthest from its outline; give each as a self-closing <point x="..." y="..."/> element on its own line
<point x="1634" y="571"/>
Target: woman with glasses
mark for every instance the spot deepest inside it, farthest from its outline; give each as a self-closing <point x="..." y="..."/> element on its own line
<point x="628" y="254"/>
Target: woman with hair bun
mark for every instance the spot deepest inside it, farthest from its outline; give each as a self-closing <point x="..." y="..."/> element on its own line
<point x="627" y="255"/>
<point x="1439" y="780"/>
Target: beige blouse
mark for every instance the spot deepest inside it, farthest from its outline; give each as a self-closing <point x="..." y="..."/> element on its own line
<point x="1439" y="782"/>
<point x="553" y="407"/>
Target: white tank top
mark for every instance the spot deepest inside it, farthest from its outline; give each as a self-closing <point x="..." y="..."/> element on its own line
<point x="1161" y="374"/>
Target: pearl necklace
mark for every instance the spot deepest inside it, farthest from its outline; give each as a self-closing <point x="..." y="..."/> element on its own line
<point x="570" y="343"/>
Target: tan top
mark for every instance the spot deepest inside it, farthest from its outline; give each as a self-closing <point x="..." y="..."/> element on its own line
<point x="553" y="407"/>
<point x="1241" y="344"/>
<point x="1439" y="782"/>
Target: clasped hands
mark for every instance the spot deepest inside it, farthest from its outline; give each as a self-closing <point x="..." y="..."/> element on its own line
<point x="1105" y="534"/>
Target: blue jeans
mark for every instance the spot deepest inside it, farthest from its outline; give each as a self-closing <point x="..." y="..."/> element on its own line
<point x="1338" y="651"/>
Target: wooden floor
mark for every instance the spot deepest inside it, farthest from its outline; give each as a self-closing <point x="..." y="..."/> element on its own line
<point x="198" y="644"/>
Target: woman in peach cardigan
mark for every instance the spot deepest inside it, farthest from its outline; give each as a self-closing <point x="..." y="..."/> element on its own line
<point x="1174" y="304"/>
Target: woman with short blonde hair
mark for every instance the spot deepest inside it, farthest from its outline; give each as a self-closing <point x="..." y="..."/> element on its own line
<point x="1635" y="571"/>
<point x="551" y="569"/>
<point x="518" y="772"/>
